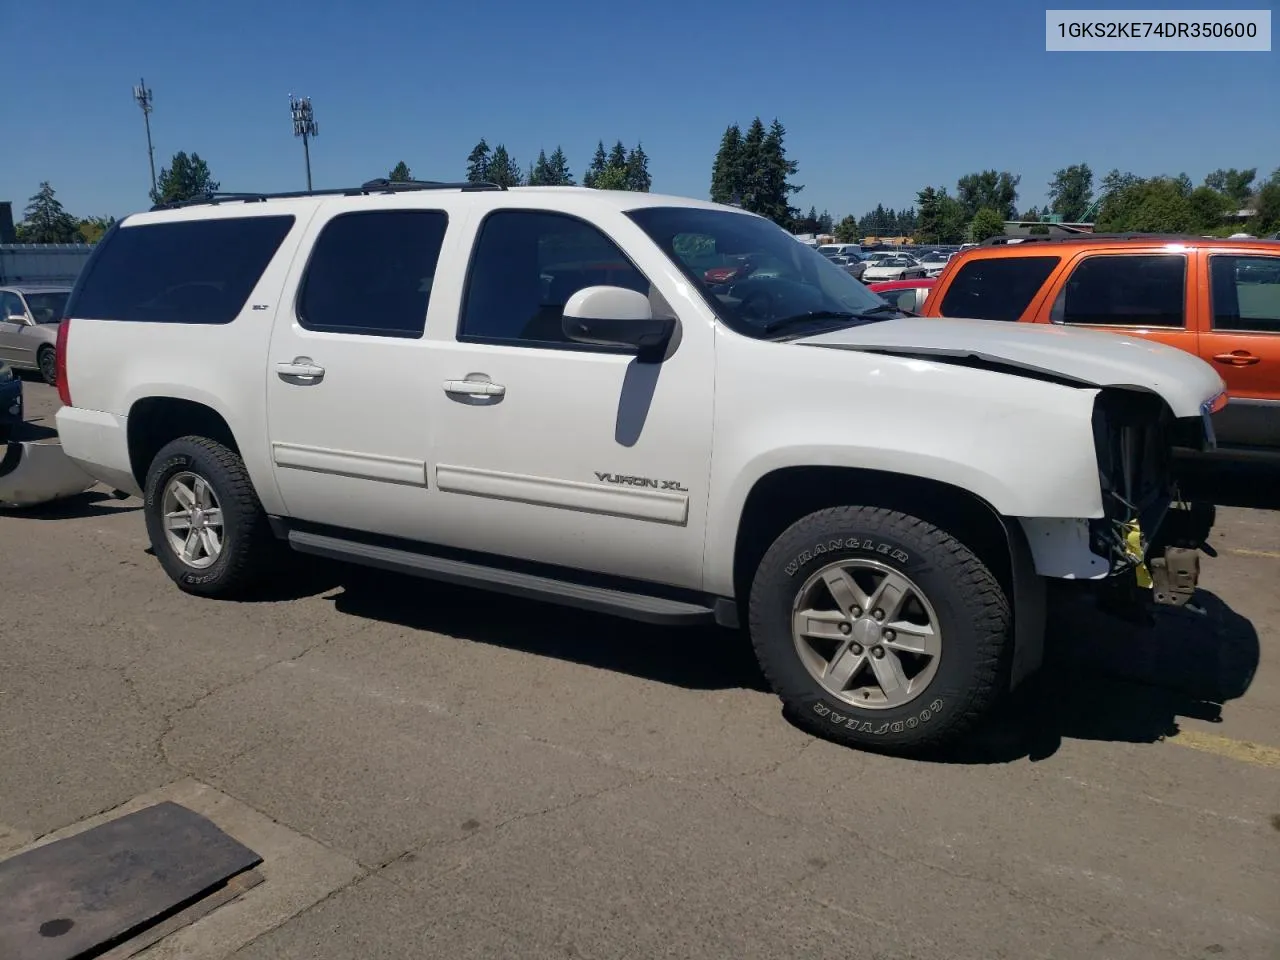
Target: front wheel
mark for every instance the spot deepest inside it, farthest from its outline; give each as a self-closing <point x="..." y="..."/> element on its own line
<point x="207" y="528"/>
<point x="879" y="630"/>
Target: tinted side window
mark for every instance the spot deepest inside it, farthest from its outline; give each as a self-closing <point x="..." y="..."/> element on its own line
<point x="526" y="266"/>
<point x="1134" y="290"/>
<point x="191" y="271"/>
<point x="1246" y="293"/>
<point x="996" y="288"/>
<point x="371" y="273"/>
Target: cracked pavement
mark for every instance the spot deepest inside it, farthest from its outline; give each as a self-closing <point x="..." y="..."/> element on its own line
<point x="467" y="775"/>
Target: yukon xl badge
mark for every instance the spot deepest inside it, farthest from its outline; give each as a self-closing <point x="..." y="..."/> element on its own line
<point x="628" y="481"/>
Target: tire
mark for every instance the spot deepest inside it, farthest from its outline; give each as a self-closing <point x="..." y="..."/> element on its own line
<point x="245" y="543"/>
<point x="942" y="584"/>
<point x="47" y="361"/>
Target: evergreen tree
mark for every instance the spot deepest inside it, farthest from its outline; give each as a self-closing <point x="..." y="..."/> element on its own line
<point x="825" y="223"/>
<point x="46" y="221"/>
<point x="400" y="173"/>
<point x="599" y="163"/>
<point x="775" y="201"/>
<point x="185" y="177"/>
<point x="540" y="174"/>
<point x="558" y="168"/>
<point x="618" y="156"/>
<point x="503" y="169"/>
<point x="846" y="231"/>
<point x="637" y="167"/>
<point x="727" y="170"/>
<point x="753" y="188"/>
<point x="478" y="163"/>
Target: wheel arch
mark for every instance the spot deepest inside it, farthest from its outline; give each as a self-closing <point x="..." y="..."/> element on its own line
<point x="157" y="420"/>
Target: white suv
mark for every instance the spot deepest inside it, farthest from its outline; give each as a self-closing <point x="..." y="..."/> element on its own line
<point x="566" y="394"/>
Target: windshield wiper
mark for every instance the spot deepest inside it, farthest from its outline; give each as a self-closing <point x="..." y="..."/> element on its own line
<point x="773" y="326"/>
<point x="881" y="308"/>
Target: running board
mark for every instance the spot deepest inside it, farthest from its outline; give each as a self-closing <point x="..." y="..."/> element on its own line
<point x="621" y="603"/>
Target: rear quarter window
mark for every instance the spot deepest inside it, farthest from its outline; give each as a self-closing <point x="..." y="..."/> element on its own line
<point x="190" y="271"/>
<point x="994" y="288"/>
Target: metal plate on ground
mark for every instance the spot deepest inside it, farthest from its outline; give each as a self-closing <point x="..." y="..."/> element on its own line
<point x="82" y="895"/>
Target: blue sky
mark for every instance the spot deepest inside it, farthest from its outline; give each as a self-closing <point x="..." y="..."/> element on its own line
<point x="879" y="99"/>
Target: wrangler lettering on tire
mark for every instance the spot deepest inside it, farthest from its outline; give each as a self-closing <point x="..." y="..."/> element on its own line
<point x="878" y="629"/>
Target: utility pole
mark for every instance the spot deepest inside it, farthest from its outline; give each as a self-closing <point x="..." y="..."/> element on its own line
<point x="143" y="96"/>
<point x="304" y="126"/>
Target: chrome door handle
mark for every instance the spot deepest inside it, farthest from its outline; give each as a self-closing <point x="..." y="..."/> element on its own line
<point x="474" y="388"/>
<point x="302" y="371"/>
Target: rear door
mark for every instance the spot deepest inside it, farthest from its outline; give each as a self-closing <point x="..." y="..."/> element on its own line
<point x="1141" y="293"/>
<point x="1240" y="336"/>
<point x="347" y="373"/>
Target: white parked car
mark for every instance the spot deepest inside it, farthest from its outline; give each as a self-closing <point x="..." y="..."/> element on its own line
<point x="899" y="267"/>
<point x="934" y="262"/>
<point x="535" y="391"/>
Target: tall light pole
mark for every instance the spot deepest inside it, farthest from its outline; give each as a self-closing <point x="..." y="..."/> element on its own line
<point x="304" y="126"/>
<point x="142" y="94"/>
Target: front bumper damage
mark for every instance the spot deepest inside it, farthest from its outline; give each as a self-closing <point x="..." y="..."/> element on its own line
<point x="1150" y="535"/>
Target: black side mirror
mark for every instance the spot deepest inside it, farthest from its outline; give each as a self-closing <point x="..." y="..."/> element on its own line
<point x="617" y="317"/>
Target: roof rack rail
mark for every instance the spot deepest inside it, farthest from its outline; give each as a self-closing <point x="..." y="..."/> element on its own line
<point x="380" y="185"/>
<point x="1006" y="239"/>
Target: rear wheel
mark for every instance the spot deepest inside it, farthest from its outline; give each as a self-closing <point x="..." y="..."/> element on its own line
<point x="47" y="360"/>
<point x="207" y="528"/>
<point x="879" y="630"/>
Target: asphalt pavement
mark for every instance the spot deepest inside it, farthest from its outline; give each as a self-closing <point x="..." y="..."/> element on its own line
<point x="434" y="772"/>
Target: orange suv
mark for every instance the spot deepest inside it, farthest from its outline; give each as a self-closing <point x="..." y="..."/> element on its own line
<point x="1218" y="299"/>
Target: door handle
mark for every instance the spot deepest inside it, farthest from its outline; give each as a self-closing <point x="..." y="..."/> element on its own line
<point x="302" y="371"/>
<point x="474" y="388"/>
<point x="1237" y="358"/>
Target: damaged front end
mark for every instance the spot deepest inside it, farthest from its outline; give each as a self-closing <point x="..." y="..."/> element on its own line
<point x="1151" y="535"/>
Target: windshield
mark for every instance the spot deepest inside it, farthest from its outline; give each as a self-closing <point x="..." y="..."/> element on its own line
<point x="47" y="307"/>
<point x="751" y="272"/>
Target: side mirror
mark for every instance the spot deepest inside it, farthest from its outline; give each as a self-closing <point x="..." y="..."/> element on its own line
<point x="617" y="317"/>
<point x="17" y="318"/>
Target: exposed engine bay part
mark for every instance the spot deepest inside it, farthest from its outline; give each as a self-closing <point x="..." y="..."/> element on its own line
<point x="1174" y="576"/>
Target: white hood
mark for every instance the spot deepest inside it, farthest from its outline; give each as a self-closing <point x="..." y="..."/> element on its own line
<point x="1087" y="357"/>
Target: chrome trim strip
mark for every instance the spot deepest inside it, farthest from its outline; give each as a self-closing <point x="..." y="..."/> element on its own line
<point x="653" y="505"/>
<point x="348" y="463"/>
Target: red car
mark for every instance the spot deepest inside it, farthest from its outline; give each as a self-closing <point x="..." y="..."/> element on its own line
<point x="907" y="295"/>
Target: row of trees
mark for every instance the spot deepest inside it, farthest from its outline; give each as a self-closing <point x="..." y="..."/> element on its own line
<point x="1124" y="202"/>
<point x="616" y="169"/>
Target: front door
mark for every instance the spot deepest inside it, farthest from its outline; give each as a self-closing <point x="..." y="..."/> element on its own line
<point x="14" y="347"/>
<point x="1241" y="338"/>
<point x="553" y="451"/>
<point x="346" y="392"/>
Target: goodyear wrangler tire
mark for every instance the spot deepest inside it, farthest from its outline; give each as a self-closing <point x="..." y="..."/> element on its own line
<point x="878" y="630"/>
<point x="207" y="528"/>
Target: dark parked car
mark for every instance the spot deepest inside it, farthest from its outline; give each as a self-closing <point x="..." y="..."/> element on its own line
<point x="10" y="401"/>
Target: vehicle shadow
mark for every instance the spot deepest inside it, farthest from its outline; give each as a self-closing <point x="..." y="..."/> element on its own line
<point x="31" y="430"/>
<point x="91" y="503"/>
<point x="1105" y="679"/>
<point x="1231" y="483"/>
<point x="699" y="658"/>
